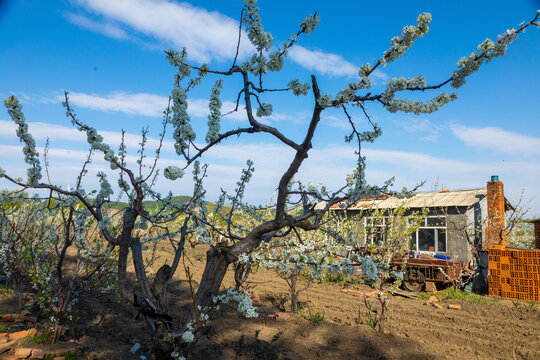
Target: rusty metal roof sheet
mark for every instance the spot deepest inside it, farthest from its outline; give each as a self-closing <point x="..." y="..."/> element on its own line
<point x="443" y="198"/>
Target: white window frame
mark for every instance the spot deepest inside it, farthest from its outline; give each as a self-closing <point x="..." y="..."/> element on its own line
<point x="434" y="228"/>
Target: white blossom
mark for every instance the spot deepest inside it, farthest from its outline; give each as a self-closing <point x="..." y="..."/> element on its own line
<point x="173" y="172"/>
<point x="310" y="23"/>
<point x="245" y="305"/>
<point x="31" y="156"/>
<point x="105" y="188"/>
<point x="410" y="33"/>
<point x="298" y="88"/>
<point x="183" y="132"/>
<point x="188" y="336"/>
<point x="325" y="100"/>
<point x="215" y="112"/>
<point x="264" y="110"/>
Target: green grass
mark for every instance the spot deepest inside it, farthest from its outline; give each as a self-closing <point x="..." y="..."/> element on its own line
<point x="335" y="278"/>
<point x="68" y="356"/>
<point x="4" y="327"/>
<point x="5" y="290"/>
<point x="477" y="299"/>
<point x="455" y="294"/>
<point x="339" y="278"/>
<point x="299" y="306"/>
<point x="38" y="339"/>
<point x="315" y="318"/>
<point x="371" y="320"/>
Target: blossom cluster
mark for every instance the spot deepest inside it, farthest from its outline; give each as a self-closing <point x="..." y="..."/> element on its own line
<point x="31" y="156"/>
<point x="264" y="110"/>
<point x="488" y="50"/>
<point x="325" y="100"/>
<point x="298" y="88"/>
<point x="351" y="89"/>
<point x="178" y="60"/>
<point x="173" y="172"/>
<point x="183" y="132"/>
<point x="245" y="305"/>
<point x="257" y="36"/>
<point x="400" y="44"/>
<point x="316" y="253"/>
<point x="310" y="23"/>
<point x="418" y="107"/>
<point x="215" y="112"/>
<point x="402" y="83"/>
<point x="105" y="188"/>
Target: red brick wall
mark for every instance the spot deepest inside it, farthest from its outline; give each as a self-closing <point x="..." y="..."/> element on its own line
<point x="495" y="231"/>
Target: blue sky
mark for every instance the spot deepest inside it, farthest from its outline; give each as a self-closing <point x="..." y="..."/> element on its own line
<point x="109" y="55"/>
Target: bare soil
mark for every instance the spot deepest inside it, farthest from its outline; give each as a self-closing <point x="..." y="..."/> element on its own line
<point x="487" y="328"/>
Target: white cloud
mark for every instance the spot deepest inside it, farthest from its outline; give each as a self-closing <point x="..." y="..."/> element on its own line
<point x="324" y="63"/>
<point x="199" y="108"/>
<point x="133" y="104"/>
<point x="107" y="29"/>
<point x="143" y="104"/>
<point x="328" y="165"/>
<point x="42" y="131"/>
<point x="153" y="105"/>
<point x="497" y="139"/>
<point x="60" y="133"/>
<point x="206" y="34"/>
<point x="379" y="76"/>
<point x="336" y="121"/>
<point x="426" y="129"/>
<point x="329" y="64"/>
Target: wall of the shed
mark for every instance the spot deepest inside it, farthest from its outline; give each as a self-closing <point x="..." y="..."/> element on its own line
<point x="459" y="223"/>
<point x="457" y="227"/>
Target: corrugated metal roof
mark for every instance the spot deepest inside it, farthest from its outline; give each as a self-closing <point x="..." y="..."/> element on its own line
<point x="444" y="198"/>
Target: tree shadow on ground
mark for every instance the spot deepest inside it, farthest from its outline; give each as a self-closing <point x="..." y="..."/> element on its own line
<point x="230" y="337"/>
<point x="107" y="328"/>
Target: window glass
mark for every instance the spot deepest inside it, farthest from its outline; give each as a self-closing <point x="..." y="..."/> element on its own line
<point x="441" y="241"/>
<point x="412" y="244"/>
<point x="378" y="237"/>
<point x="426" y="238"/>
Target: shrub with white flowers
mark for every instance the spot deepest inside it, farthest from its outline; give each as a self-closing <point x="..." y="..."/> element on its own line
<point x="40" y="239"/>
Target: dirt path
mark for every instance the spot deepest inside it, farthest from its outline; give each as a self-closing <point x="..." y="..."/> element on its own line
<point x="485" y="328"/>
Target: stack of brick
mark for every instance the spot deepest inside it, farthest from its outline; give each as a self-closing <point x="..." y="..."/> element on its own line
<point x="514" y="273"/>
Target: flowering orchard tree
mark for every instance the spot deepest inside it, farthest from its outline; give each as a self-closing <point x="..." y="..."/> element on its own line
<point x="239" y="237"/>
<point x="268" y="58"/>
<point x="124" y="232"/>
<point x="37" y="238"/>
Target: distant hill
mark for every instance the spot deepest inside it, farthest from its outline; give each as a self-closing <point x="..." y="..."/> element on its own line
<point x="153" y="204"/>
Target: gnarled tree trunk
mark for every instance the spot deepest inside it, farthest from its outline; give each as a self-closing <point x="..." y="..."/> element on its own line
<point x="217" y="262"/>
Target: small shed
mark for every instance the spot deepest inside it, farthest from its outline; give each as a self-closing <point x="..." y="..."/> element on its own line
<point x="456" y="220"/>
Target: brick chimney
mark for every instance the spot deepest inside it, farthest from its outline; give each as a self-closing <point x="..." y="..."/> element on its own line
<point x="496" y="233"/>
<point x="536" y="233"/>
